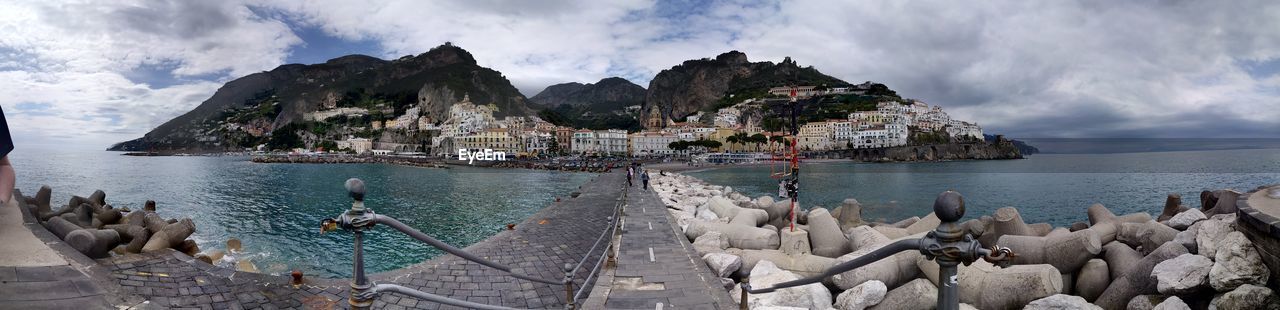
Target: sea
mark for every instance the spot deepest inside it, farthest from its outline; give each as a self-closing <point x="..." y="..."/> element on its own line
<point x="276" y="209"/>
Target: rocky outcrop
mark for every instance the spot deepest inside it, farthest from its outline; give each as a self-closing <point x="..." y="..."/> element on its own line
<point x="433" y="80"/>
<point x="699" y="84"/>
<point x="999" y="149"/>
<point x="609" y="94"/>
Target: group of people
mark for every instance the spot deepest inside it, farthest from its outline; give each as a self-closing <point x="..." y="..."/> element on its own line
<point x="644" y="175"/>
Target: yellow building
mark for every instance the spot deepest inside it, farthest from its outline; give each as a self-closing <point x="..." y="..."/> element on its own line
<point x="497" y="139"/>
<point x="814" y="136"/>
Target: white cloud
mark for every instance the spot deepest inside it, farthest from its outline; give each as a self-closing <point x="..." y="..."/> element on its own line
<point x="75" y="56"/>
<point x="1030" y="69"/>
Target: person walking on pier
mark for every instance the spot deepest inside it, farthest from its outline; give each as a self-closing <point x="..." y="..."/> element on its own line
<point x="644" y="177"/>
<point x="631" y="170"/>
<point x="7" y="178"/>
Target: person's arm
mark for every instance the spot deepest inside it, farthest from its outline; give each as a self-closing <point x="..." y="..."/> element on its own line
<point x="7" y="180"/>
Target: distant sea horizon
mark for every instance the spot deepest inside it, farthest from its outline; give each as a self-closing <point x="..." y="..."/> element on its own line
<point x="1145" y="145"/>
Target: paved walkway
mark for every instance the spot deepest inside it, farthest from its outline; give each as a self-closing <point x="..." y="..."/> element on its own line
<point x="33" y="275"/>
<point x="656" y="267"/>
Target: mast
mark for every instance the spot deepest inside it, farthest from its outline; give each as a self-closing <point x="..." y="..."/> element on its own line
<point x="793" y="183"/>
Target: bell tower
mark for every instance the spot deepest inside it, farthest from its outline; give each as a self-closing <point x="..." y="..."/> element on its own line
<point x="655" y="120"/>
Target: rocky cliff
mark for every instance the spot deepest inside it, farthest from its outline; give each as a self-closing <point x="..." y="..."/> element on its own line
<point x="702" y="84"/>
<point x="609" y="94"/>
<point x="1000" y="148"/>
<point x="432" y="81"/>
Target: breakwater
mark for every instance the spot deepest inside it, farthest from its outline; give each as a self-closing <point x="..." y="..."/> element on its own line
<point x="1189" y="256"/>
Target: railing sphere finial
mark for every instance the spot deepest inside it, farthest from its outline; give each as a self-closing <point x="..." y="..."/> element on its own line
<point x="949" y="207"/>
<point x="356" y="188"/>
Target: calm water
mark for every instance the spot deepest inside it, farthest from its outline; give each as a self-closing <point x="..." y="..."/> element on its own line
<point x="276" y="208"/>
<point x="1054" y="188"/>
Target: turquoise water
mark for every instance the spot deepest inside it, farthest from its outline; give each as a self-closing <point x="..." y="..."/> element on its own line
<point x="1054" y="188"/>
<point x="276" y="208"/>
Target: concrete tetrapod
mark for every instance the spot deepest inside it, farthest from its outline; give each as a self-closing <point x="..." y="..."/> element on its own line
<point x="850" y="215"/>
<point x="865" y="236"/>
<point x="60" y="227"/>
<point x="737" y="215"/>
<point x="1066" y="252"/>
<point x="1226" y="203"/>
<point x="893" y="270"/>
<point x="986" y="286"/>
<point x="1119" y="258"/>
<point x="1092" y="279"/>
<point x="927" y="223"/>
<point x="1006" y="221"/>
<point x="170" y="236"/>
<point x="1107" y="224"/>
<point x="1145" y="236"/>
<point x="1172" y="206"/>
<point x="740" y="236"/>
<point x="1137" y="280"/>
<point x="42" y="202"/>
<point x="804" y="265"/>
<point x="825" y="235"/>
<point x="94" y="243"/>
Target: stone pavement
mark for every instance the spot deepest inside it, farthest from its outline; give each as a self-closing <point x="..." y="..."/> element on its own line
<point x="656" y="266"/>
<point x="559" y="234"/>
<point x="34" y="275"/>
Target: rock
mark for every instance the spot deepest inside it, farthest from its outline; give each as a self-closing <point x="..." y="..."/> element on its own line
<point x="917" y="294"/>
<point x="1172" y="303"/>
<point x="1247" y="296"/>
<point x="216" y="255"/>
<point x="1136" y="279"/>
<point x="1237" y="262"/>
<point x="862" y="296"/>
<point x="710" y="242"/>
<point x="1186" y="218"/>
<point x="1184" y="274"/>
<point x="1061" y="302"/>
<point x="723" y="264"/>
<point x="171" y="236"/>
<point x="804" y="265"/>
<point x="764" y="202"/>
<point x="204" y="258"/>
<point x="1188" y="237"/>
<point x="138" y="237"/>
<point x="1226" y="203"/>
<point x="1211" y="232"/>
<point x="740" y="236"/>
<point x="94" y="243"/>
<point x="766" y="274"/>
<point x="1144" y="302"/>
<point x="704" y="213"/>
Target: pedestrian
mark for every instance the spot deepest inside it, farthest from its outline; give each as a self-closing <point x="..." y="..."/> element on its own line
<point x="630" y="173"/>
<point x="644" y="177"/>
<point x="7" y="175"/>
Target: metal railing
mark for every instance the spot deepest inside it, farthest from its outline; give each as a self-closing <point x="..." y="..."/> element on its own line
<point x="948" y="244"/>
<point x="359" y="219"/>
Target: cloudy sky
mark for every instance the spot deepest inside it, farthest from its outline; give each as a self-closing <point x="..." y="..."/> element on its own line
<point x="96" y="72"/>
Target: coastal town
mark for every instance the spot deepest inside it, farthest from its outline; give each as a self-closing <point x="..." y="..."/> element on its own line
<point x="472" y="126"/>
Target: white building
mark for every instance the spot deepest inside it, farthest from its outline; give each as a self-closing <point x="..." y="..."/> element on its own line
<point x="727" y="117"/>
<point x="960" y="129"/>
<point x="600" y="142"/>
<point x="652" y="143"/>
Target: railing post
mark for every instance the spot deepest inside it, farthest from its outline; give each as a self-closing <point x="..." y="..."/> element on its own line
<point x="568" y="287"/>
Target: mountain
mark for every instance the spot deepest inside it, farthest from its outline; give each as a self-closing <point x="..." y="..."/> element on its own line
<point x="609" y="94"/>
<point x="264" y="102"/>
<point x="705" y="84"/>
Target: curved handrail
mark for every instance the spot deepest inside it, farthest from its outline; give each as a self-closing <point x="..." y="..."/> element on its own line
<point x="380" y="288"/>
<point x="878" y="254"/>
